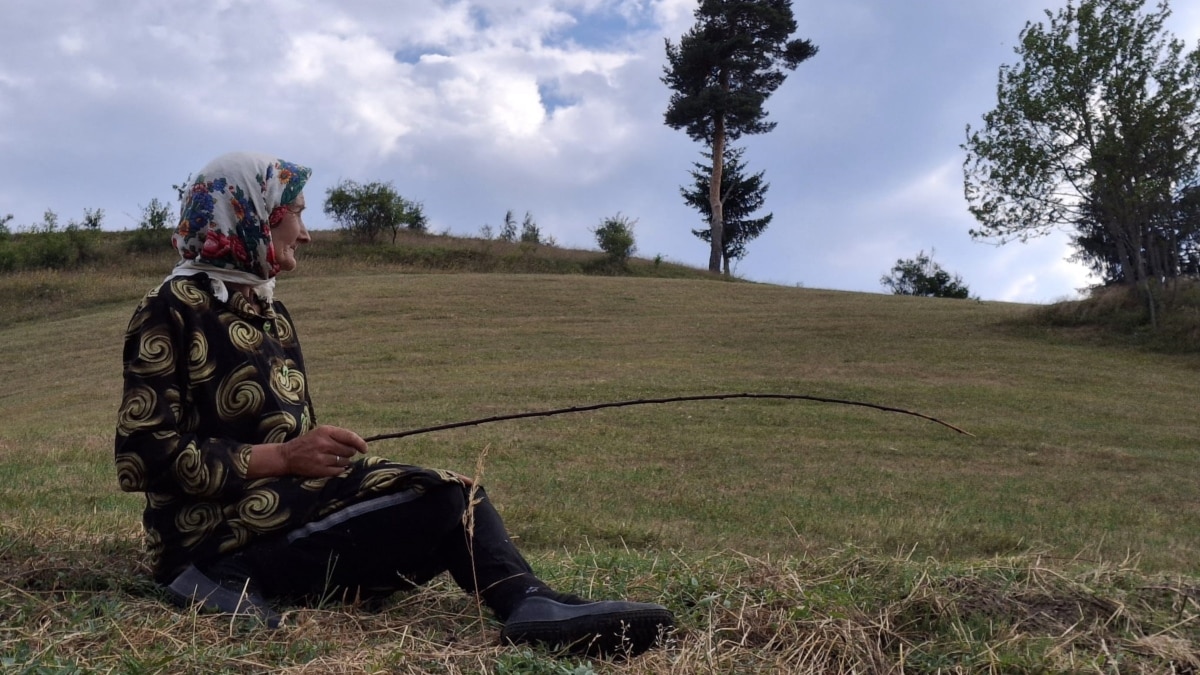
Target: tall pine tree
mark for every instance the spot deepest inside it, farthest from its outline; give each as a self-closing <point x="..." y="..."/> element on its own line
<point x="722" y="72"/>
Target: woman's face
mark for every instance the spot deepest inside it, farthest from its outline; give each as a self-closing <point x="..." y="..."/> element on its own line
<point x="288" y="234"/>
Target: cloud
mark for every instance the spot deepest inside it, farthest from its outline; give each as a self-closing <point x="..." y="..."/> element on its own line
<point x="1034" y="271"/>
<point x="548" y="106"/>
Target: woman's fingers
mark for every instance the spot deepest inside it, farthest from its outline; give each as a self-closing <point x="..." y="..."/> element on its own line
<point x="352" y="442"/>
<point x="323" y="451"/>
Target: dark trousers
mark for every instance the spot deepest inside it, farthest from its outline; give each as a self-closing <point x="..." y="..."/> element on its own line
<point x="397" y="542"/>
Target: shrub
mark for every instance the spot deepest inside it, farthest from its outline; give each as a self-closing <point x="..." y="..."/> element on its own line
<point x="153" y="232"/>
<point x="922" y="276"/>
<point x="47" y="245"/>
<point x="615" y="237"/>
<point x="508" y="231"/>
<point x="530" y="232"/>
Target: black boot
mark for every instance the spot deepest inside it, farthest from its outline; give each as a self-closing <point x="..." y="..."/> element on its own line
<point x="606" y="628"/>
<point x="224" y="587"/>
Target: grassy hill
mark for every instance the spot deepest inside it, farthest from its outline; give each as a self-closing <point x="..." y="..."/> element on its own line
<point x="788" y="536"/>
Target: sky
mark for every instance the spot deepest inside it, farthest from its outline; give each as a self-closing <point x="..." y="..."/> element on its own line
<point x="551" y="107"/>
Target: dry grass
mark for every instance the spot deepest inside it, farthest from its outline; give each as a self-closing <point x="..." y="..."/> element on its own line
<point x="73" y="601"/>
<point x="1121" y="315"/>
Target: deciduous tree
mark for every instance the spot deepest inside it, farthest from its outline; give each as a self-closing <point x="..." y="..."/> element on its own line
<point x="1096" y="130"/>
<point x="367" y="210"/>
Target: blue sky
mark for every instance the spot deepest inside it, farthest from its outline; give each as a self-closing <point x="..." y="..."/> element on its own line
<point x="548" y="106"/>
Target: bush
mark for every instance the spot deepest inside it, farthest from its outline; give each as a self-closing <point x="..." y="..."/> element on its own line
<point x="615" y="237"/>
<point x="8" y="253"/>
<point x="924" y="277"/>
<point x="530" y="232"/>
<point x="47" y="245"/>
<point x="508" y="231"/>
<point x="153" y="232"/>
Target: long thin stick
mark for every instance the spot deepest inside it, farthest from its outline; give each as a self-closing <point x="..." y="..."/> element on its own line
<point x="645" y="401"/>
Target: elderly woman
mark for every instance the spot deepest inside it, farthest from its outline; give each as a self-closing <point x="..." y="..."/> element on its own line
<point x="248" y="498"/>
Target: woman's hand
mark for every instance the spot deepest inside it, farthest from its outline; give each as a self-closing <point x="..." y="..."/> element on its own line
<point x="324" y="451"/>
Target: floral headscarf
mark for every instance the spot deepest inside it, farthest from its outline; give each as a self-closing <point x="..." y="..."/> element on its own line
<point x="226" y="217"/>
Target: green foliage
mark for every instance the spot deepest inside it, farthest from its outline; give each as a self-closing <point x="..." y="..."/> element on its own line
<point x="508" y="231"/>
<point x="530" y="232"/>
<point x="46" y="244"/>
<point x="726" y="66"/>
<point x="615" y="237"/>
<point x="92" y="219"/>
<point x="49" y="245"/>
<point x="8" y="256"/>
<point x="1097" y="129"/>
<point x="924" y="277"/>
<point x="536" y="662"/>
<point x="721" y="74"/>
<point x="741" y="197"/>
<point x="365" y="211"/>
<point x="154" y="229"/>
<point x="9" y="260"/>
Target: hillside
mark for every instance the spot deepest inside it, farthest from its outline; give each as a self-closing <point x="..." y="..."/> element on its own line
<point x="1077" y="486"/>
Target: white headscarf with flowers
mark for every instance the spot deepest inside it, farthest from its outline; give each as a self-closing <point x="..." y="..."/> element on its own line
<point x="226" y="218"/>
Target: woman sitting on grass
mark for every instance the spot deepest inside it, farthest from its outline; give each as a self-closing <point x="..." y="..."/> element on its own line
<point x="247" y="498"/>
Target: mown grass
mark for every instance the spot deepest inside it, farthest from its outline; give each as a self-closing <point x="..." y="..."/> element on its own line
<point x="787" y="536"/>
<point x="73" y="601"/>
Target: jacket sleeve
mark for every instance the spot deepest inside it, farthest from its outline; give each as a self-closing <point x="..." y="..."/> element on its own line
<point x="154" y="452"/>
<point x="309" y="420"/>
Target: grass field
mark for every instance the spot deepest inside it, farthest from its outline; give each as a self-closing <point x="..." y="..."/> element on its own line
<point x="788" y="536"/>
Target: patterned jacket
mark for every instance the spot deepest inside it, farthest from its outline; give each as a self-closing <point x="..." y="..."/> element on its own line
<point x="204" y="380"/>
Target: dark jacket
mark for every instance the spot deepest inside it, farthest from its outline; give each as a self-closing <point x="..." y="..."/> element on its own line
<point x="205" y="380"/>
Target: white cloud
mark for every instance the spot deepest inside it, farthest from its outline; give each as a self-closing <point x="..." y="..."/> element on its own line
<point x="1035" y="271"/>
<point x="675" y="16"/>
<point x="551" y="106"/>
<point x="72" y="42"/>
<point x="934" y="195"/>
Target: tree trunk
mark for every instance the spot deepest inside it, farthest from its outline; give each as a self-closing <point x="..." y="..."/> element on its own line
<point x="717" y="222"/>
<point x="1119" y="233"/>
